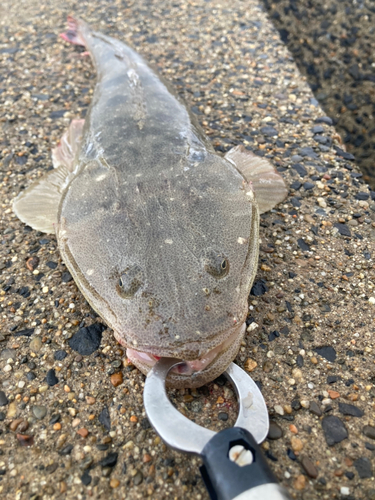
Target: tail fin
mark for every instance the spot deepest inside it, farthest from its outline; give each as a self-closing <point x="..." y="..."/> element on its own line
<point x="73" y="35"/>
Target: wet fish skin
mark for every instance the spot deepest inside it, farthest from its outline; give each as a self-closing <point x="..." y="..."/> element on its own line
<point x="160" y="233"/>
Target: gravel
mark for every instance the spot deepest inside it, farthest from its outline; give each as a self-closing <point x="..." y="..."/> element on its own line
<point x="311" y="309"/>
<point x="333" y="45"/>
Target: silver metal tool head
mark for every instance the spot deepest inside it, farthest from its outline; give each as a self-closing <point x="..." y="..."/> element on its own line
<point x="182" y="434"/>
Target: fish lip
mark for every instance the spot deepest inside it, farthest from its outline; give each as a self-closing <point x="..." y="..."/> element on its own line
<point x="189" y="367"/>
<point x="188" y="352"/>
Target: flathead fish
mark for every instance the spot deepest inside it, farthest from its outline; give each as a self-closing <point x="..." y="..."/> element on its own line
<point x="159" y="232"/>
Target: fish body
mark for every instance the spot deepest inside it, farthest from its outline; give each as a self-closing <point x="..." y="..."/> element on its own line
<point x="160" y="233"/>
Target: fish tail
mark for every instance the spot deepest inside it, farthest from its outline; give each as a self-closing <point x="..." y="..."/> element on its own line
<point x="74" y="33"/>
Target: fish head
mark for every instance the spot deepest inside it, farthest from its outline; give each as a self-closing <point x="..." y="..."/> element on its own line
<point x="168" y="268"/>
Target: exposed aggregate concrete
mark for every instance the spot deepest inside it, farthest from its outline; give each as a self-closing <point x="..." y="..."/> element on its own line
<point x="333" y="45"/>
<point x="309" y="342"/>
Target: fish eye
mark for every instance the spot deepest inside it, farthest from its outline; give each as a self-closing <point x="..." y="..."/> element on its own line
<point x="129" y="282"/>
<point x="216" y="264"/>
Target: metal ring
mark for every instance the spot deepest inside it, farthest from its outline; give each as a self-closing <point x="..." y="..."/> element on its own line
<point x="180" y="433"/>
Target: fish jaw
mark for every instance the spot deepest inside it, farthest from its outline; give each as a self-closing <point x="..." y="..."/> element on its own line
<point x="194" y="373"/>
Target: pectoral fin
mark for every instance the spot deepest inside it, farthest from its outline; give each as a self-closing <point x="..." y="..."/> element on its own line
<point x="65" y="152"/>
<point x="37" y="205"/>
<point x="268" y="185"/>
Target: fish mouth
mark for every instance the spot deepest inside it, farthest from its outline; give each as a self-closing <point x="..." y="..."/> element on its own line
<point x="194" y="373"/>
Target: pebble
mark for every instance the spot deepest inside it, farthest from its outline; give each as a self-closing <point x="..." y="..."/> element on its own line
<point x="321" y="202"/>
<point x="3" y="399"/>
<point x="314" y="408"/>
<point x="116" y="379"/>
<point x="259" y="288"/>
<point x="250" y="365"/>
<point x="109" y="460"/>
<point x="86" y="478"/>
<point x="223" y="416"/>
<point x="83" y="432"/>
<point x="297" y="373"/>
<point x="66" y="450"/>
<point x="61" y="441"/>
<point x="36" y="344"/>
<point x="353" y="411"/>
<point x="296" y="444"/>
<point x="105" y="419"/>
<point x="14" y="424"/>
<point x="327" y="352"/>
<point x="279" y="409"/>
<point x="66" y="277"/>
<point x="114" y="483"/>
<point x="274" y="431"/>
<point x="25" y="440"/>
<point x="32" y="263"/>
<point x="12" y="410"/>
<point x="51" y="378"/>
<point x="60" y="355"/>
<point x="300" y="482"/>
<point x="8" y="354"/>
<point x="268" y="366"/>
<point x="363" y="467"/>
<point x="369" y="431"/>
<point x="333" y="394"/>
<point x="138" y="478"/>
<point x="76" y="422"/>
<point x="334" y="430"/>
<point x="39" y="411"/>
<point x="309" y="467"/>
<point x="87" y="340"/>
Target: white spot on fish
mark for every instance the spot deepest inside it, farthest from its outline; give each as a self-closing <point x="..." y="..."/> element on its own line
<point x="100" y="177"/>
<point x="138" y="175"/>
<point x="250" y="194"/>
<point x="169" y="242"/>
<point x="90" y="272"/>
<point x="133" y="78"/>
<point x="241" y="240"/>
